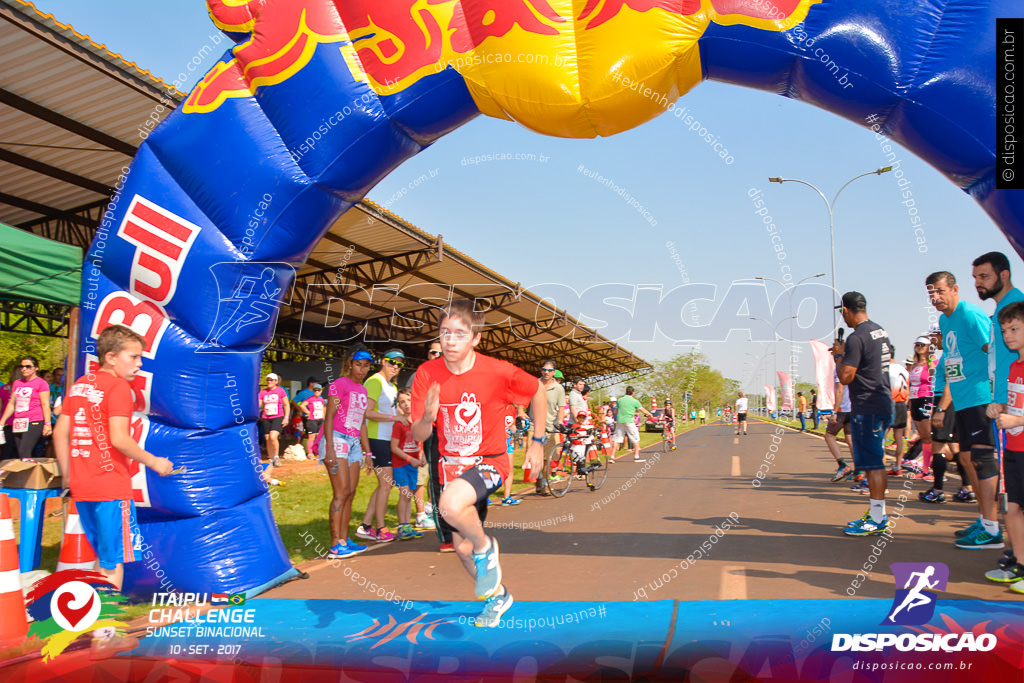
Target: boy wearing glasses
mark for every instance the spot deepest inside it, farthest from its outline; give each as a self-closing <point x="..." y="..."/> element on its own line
<point x="464" y="395"/>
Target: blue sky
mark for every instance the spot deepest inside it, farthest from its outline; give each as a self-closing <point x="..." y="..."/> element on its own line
<point x="544" y="221"/>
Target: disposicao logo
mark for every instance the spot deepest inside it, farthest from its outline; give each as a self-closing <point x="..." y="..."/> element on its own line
<point x="914" y="605"/>
<point x="70" y="603"/>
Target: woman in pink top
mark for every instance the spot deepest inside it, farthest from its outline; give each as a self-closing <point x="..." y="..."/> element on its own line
<point x="274" y="409"/>
<point x="30" y="406"/>
<point x="344" y="444"/>
<point x="921" y="401"/>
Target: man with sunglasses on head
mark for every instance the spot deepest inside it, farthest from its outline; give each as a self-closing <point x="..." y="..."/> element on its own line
<point x="554" y="395"/>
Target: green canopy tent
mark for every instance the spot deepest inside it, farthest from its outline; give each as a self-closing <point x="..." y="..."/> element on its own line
<point x="36" y="269"/>
<point x="40" y="284"/>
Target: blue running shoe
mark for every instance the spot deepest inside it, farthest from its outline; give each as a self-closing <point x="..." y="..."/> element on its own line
<point x="340" y="550"/>
<point x="353" y="546"/>
<point x="855" y="522"/>
<point x="488" y="571"/>
<point x="979" y="540"/>
<point x="867" y="527"/>
<point x="511" y="501"/>
<point x="973" y="528"/>
<point x="493" y="609"/>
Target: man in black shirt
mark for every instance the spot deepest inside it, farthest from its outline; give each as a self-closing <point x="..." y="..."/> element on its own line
<point x="865" y="369"/>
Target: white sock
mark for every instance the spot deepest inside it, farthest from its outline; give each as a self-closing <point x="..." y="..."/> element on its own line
<point x="877" y="510"/>
<point x="486" y="548"/>
<point x="991" y="527"/>
<point x="420" y="516"/>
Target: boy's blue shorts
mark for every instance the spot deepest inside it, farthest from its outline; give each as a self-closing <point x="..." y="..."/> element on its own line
<point x="405" y="476"/>
<point x="112" y="530"/>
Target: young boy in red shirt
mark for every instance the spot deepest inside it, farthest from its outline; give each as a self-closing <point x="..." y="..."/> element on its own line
<point x="465" y="394"/>
<point x="406" y="460"/>
<point x="93" y="443"/>
<point x="1011" y="418"/>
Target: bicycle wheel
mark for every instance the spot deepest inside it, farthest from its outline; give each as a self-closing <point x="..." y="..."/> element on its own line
<point x="560" y="480"/>
<point x="597" y="469"/>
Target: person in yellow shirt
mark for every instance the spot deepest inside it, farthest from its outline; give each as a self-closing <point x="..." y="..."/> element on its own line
<point x="801" y="407"/>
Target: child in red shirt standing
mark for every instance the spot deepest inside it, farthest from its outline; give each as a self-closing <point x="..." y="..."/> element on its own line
<point x="406" y="458"/>
<point x="1011" y="418"/>
<point x="464" y="394"/>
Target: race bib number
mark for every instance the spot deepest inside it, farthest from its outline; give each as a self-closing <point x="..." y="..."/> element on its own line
<point x="1015" y="405"/>
<point x="271" y="409"/>
<point x="342" y="447"/>
<point x="21" y="425"/>
<point x="451" y="471"/>
<point x="954" y="369"/>
<point x="318" y="411"/>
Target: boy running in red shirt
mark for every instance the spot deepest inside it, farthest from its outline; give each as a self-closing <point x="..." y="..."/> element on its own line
<point x="465" y="394"/>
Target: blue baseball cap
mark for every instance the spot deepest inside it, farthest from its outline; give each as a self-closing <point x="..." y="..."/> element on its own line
<point x="362" y="355"/>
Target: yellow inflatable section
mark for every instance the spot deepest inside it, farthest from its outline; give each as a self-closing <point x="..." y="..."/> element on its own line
<point x="560" y="67"/>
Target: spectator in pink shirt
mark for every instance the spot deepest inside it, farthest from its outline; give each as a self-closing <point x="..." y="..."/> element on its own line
<point x="274" y="411"/>
<point x="30" y="408"/>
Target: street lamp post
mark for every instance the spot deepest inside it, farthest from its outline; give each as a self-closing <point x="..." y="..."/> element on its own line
<point x="775" y="334"/>
<point x="831" y="223"/>
<point x="790" y="289"/>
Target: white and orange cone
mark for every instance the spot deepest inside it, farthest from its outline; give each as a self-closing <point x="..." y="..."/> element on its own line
<point x="13" y="618"/>
<point x="75" y="551"/>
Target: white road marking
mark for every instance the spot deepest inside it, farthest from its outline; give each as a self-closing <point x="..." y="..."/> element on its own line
<point x="735" y="465"/>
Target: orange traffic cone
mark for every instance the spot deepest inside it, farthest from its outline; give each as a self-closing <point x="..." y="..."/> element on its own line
<point x="606" y="444"/>
<point x="75" y="551"/>
<point x="13" y="619"/>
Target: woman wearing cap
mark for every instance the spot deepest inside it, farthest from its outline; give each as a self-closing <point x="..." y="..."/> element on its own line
<point x="313" y="410"/>
<point x="343" y="446"/>
<point x="381" y="396"/>
<point x="921" y="398"/>
<point x="274" y="412"/>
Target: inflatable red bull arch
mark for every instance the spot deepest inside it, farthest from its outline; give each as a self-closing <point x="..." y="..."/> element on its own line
<point x="228" y="196"/>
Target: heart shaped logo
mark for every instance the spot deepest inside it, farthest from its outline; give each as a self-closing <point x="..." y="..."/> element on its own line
<point x="468" y="411"/>
<point x="75" y="606"/>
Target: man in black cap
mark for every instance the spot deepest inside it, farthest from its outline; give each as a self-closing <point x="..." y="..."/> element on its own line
<point x="865" y="369"/>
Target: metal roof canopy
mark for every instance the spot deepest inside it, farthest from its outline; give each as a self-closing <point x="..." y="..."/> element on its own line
<point x="70" y="114"/>
<point x="390" y="294"/>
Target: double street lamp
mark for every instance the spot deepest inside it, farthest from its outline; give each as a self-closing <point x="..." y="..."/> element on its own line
<point x="831" y="223"/>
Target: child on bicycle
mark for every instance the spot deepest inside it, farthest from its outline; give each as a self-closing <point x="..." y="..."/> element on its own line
<point x="670" y="423"/>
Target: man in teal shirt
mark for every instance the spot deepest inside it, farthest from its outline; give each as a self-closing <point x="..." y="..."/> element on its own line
<point x="965" y="337"/>
<point x="992" y="280"/>
<point x="625" y="423"/>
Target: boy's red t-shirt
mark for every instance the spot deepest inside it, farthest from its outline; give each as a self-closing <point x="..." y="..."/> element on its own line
<point x="98" y="470"/>
<point x="1015" y="405"/>
<point x="406" y="443"/>
<point x="471" y="417"/>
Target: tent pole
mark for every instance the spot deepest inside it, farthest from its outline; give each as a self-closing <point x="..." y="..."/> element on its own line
<point x="71" y="372"/>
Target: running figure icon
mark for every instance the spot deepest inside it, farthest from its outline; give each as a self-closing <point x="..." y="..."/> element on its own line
<point x="915" y="596"/>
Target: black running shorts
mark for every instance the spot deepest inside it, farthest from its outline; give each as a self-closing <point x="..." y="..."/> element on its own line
<point x="974" y="428"/>
<point x="947" y="433"/>
<point x="272" y="424"/>
<point x="1013" y="471"/>
<point x="921" y="408"/>
<point x="899" y="415"/>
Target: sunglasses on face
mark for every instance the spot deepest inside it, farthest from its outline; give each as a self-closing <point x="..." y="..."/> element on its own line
<point x="396" y="363"/>
<point x="27" y="367"/>
<point x="433" y="353"/>
<point x="547" y="369"/>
